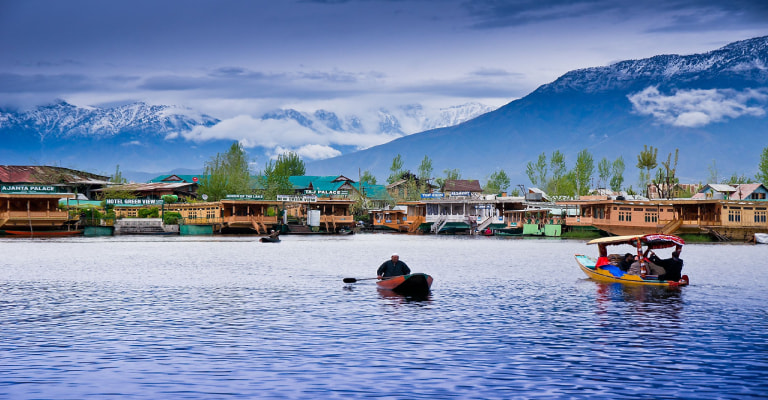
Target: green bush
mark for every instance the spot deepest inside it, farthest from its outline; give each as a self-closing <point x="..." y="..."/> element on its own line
<point x="153" y="212"/>
<point x="171" y="218"/>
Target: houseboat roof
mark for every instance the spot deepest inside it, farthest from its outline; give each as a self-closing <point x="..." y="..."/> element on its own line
<point x="462" y="185"/>
<point x="48" y="175"/>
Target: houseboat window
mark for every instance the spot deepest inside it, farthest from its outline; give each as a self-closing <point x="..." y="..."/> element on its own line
<point x="625" y="216"/>
<point x="760" y="216"/>
<point x="639" y="209"/>
<point x="734" y="215"/>
<point x="759" y="208"/>
<point x="651" y="217"/>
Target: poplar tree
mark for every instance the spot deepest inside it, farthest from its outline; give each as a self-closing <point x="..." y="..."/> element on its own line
<point x="226" y="173"/>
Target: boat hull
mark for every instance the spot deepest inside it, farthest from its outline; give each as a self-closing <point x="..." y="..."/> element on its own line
<point x="418" y="283"/>
<point x="761" y="238"/>
<point x="269" y="240"/>
<point x="43" y="233"/>
<point x="613" y="275"/>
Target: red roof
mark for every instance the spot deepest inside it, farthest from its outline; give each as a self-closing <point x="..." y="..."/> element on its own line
<point x="45" y="174"/>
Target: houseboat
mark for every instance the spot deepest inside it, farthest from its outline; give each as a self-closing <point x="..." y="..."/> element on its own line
<point x="724" y="219"/>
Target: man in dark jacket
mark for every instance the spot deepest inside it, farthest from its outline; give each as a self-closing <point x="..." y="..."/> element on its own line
<point x="393" y="267"/>
<point x="673" y="266"/>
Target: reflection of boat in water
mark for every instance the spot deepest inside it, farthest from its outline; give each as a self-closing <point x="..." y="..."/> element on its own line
<point x="43" y="233"/>
<point x="761" y="238"/>
<point x="411" y="284"/>
<point x="604" y="270"/>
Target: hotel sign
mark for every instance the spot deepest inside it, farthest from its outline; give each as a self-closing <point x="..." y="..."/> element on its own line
<point x="133" y="202"/>
<point x="284" y="197"/>
<point x="327" y="192"/>
<point x="432" y="195"/>
<point x="244" y="197"/>
<point x="28" y="189"/>
<point x="460" y="194"/>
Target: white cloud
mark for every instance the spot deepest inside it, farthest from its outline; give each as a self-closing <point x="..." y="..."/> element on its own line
<point x="309" y="151"/>
<point x="698" y="107"/>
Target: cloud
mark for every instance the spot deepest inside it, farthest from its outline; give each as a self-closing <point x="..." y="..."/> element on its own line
<point x="698" y="107"/>
<point x="310" y="151"/>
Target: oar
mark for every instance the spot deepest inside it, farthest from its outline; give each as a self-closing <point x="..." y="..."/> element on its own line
<point x="353" y="280"/>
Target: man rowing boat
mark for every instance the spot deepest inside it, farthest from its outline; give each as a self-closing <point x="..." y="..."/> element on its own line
<point x="393" y="267"/>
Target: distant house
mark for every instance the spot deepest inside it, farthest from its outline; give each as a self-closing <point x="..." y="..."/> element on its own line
<point x="462" y="188"/>
<point x="751" y="191"/>
<point x="178" y="178"/>
<point x="156" y="191"/>
<point x="64" y="180"/>
<point x="677" y="190"/>
<point x="717" y="191"/>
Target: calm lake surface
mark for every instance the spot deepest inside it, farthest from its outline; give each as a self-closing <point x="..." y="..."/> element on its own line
<point x="229" y="317"/>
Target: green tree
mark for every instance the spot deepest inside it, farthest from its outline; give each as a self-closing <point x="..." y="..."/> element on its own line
<point x="557" y="164"/>
<point x="603" y="173"/>
<point x="367" y="178"/>
<point x="585" y="167"/>
<point x="737" y="179"/>
<point x="762" y="168"/>
<point x="290" y="164"/>
<point x="118" y="176"/>
<point x="450" y="175"/>
<point x="713" y="173"/>
<point x="537" y="173"/>
<point x="226" y="173"/>
<point x="396" y="169"/>
<point x="646" y="161"/>
<point x="617" y="174"/>
<point x="498" y="182"/>
<point x="275" y="179"/>
<point x="665" y="177"/>
<point x="425" y="174"/>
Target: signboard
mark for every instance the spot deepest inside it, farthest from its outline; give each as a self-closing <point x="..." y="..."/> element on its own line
<point x="432" y="195"/>
<point x="28" y="189"/>
<point x="285" y="197"/>
<point x="134" y="202"/>
<point x="460" y="194"/>
<point x="327" y="192"/>
<point x="244" y="197"/>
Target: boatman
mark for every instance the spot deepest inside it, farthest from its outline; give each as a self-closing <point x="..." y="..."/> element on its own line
<point x="393" y="267"/>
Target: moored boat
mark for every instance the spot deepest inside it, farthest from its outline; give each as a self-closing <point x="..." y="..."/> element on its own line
<point x="761" y="238"/>
<point x="411" y="284"/>
<point x="605" y="270"/>
<point x="270" y="240"/>
<point x="43" y="233"/>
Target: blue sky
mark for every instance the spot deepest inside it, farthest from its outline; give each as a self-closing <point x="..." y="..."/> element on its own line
<point x="236" y="60"/>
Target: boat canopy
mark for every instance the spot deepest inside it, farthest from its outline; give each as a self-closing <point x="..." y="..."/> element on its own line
<point x="651" y="242"/>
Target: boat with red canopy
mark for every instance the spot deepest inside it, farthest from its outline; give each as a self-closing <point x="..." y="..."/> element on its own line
<point x="606" y="267"/>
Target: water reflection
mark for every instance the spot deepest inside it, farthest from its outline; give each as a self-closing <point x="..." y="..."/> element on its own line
<point x="402" y="298"/>
<point x="637" y="293"/>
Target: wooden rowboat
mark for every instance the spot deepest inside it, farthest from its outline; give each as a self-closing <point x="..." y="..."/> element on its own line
<point x="411" y="284"/>
<point x="43" y="233"/>
<point x="270" y="240"/>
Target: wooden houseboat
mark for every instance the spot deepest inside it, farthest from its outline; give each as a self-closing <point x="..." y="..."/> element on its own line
<point x="259" y="216"/>
<point x="469" y="214"/>
<point x="33" y="208"/>
<point x="724" y="219"/>
<point x="537" y="220"/>
<point x="408" y="216"/>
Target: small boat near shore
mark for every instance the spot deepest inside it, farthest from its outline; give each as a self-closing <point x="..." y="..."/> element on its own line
<point x="411" y="284"/>
<point x="604" y="269"/>
<point x="270" y="240"/>
<point x="42" y="233"/>
<point x="761" y="238"/>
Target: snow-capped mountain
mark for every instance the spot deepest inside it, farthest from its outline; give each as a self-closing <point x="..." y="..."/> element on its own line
<point x="710" y="106"/>
<point x="66" y="120"/>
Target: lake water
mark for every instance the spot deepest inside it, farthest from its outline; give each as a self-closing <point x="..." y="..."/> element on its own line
<point x="229" y="317"/>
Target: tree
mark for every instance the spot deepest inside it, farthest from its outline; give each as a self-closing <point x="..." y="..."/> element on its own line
<point x="583" y="171"/>
<point x="498" y="182"/>
<point x="425" y="174"/>
<point x="557" y="164"/>
<point x="537" y="173"/>
<point x="367" y="178"/>
<point x="290" y="164"/>
<point x="450" y="175"/>
<point x="665" y="177"/>
<point x="646" y="160"/>
<point x="617" y="174"/>
<point x="226" y="173"/>
<point x="396" y="169"/>
<point x="713" y="173"/>
<point x="603" y="173"/>
<point x="118" y="176"/>
<point x="762" y="168"/>
<point x="737" y="179"/>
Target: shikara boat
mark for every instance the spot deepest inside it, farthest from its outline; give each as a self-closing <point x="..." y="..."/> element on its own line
<point x="43" y="233"/>
<point x="270" y="240"/>
<point x="411" y="284"/>
<point x="604" y="270"/>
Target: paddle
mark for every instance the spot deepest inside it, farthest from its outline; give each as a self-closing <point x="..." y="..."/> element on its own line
<point x="353" y="280"/>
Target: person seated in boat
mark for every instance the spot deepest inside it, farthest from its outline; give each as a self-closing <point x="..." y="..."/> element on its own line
<point x="626" y="262"/>
<point x="393" y="267"/>
<point x="672" y="266"/>
<point x="274" y="234"/>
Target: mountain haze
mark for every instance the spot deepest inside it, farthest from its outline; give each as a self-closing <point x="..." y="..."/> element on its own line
<point x="711" y="106"/>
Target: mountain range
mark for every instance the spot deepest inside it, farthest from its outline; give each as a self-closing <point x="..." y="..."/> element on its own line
<point x="144" y="137"/>
<point x="710" y="106"/>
